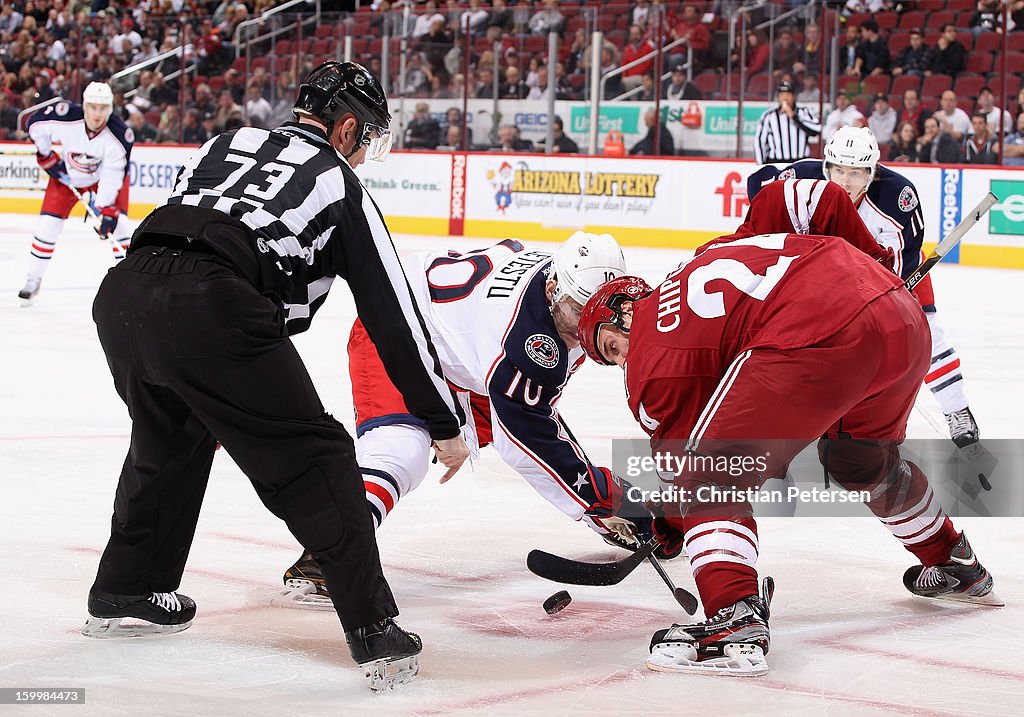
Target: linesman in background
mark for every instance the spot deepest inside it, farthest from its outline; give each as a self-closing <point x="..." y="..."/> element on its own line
<point x="784" y="131"/>
<point x="195" y="325"/>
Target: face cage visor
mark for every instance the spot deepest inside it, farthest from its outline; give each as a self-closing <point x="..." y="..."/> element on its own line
<point x="378" y="141"/>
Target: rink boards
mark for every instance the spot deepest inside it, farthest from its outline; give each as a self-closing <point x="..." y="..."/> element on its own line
<point x="679" y="202"/>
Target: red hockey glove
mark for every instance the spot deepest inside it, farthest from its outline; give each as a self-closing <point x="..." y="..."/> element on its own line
<point x="672" y="539"/>
<point x="108" y="220"/>
<point x="888" y="259"/>
<point x="53" y="165"/>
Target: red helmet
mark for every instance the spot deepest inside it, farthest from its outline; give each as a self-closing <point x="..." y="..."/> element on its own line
<point x="605" y="307"/>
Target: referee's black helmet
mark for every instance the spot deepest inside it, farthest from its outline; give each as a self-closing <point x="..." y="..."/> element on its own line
<point x="336" y="88"/>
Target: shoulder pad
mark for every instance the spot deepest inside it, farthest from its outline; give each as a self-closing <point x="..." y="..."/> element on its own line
<point x="122" y="132"/>
<point x="59" y="112"/>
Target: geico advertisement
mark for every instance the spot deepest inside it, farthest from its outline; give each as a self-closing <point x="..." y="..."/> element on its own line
<point x="573" y="191"/>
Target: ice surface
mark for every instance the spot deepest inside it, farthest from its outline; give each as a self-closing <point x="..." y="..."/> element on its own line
<point x="847" y="638"/>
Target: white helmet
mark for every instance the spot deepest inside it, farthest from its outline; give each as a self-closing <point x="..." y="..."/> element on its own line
<point x="98" y="93"/>
<point x="852" y="147"/>
<point x="584" y="262"/>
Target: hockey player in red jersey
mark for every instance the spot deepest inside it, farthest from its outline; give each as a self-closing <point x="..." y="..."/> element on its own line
<point x="780" y="338"/>
<point x="95" y="146"/>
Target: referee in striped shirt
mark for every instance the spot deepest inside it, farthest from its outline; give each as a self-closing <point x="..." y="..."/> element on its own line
<point x="783" y="131"/>
<point x="195" y="325"/>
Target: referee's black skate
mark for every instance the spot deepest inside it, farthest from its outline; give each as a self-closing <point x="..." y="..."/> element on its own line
<point x="304" y="586"/>
<point x="960" y="579"/>
<point x="389" y="655"/>
<point x="138" y="615"/>
<point x="733" y="641"/>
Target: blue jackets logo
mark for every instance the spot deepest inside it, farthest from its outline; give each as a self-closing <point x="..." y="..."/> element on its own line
<point x="543" y="350"/>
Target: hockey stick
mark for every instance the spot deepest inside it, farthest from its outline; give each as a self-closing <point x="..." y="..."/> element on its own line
<point x="115" y="245"/>
<point x="575" y="572"/>
<point x="951" y="240"/>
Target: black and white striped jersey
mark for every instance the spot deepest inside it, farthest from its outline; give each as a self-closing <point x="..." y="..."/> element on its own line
<point x="781" y="138"/>
<point x="312" y="220"/>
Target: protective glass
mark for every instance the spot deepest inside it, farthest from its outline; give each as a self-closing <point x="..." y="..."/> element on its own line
<point x="378" y="142"/>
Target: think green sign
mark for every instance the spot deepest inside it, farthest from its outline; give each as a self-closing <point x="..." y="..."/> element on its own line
<point x="722" y="120"/>
<point x="621" y="119"/>
<point x="1007" y="216"/>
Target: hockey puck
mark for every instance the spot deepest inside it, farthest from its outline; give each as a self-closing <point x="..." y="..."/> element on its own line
<point x="557" y="602"/>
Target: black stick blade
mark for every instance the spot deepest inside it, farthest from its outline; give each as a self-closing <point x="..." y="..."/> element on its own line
<point x="574" y="572"/>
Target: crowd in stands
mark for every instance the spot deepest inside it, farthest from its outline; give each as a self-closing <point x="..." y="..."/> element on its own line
<point x="892" y="54"/>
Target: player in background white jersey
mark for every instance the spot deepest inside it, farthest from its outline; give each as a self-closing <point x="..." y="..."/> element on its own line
<point x="504" y="321"/>
<point x="888" y="203"/>
<point x="94" y="150"/>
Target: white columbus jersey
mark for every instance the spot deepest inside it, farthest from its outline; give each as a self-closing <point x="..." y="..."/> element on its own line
<point x="100" y="158"/>
<point x="490" y="320"/>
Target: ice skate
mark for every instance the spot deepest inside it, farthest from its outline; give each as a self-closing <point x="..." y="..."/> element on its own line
<point x="962" y="428"/>
<point x="304" y="586"/>
<point x="28" y="293"/>
<point x="961" y="579"/>
<point x="388" y="654"/>
<point x="733" y="642"/>
<point x="113" y="616"/>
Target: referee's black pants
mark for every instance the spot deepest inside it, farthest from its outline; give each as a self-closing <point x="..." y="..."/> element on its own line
<point x="198" y="355"/>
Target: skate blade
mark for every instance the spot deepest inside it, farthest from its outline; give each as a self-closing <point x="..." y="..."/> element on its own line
<point x="739" y="660"/>
<point x="301" y="594"/>
<point x="988" y="600"/>
<point x="25" y="303"/>
<point x="115" y="628"/>
<point x="385" y="675"/>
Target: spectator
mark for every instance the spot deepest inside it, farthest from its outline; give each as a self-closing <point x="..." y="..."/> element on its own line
<point x="474" y="19"/>
<point x="423" y="132"/>
<point x="233" y="84"/>
<point x="550" y="19"/>
<point x="645" y="147"/>
<point x="436" y="43"/>
<point x="848" y="52"/>
<point x="144" y="131"/>
<point x="636" y="48"/>
<point x="948" y="57"/>
<point x="169" y="129"/>
<point x="1013" y="145"/>
<point x="809" y="60"/>
<point x="845" y="114"/>
<point x="145" y="53"/>
<point x="1017" y="15"/>
<point x="282" y="107"/>
<point x="257" y="110"/>
<point x="453" y="118"/>
<point x="484" y="83"/>
<point x="787" y="54"/>
<point x="882" y="121"/>
<point x="640" y="14"/>
<point x="142" y="100"/>
<point x="210" y="124"/>
<point x="577" y="49"/>
<point x="677" y="87"/>
<point x="613" y="87"/>
<point x="937" y="146"/>
<point x="912" y="59"/>
<point x="8" y="115"/>
<point x="981" y="147"/>
<point x="415" y="75"/>
<point x="192" y="129"/>
<point x="423" y="21"/>
<point x="560" y="143"/>
<point x="226" y="106"/>
<point x="904" y="144"/>
<point x="128" y="40"/>
<point x="986" y="18"/>
<point x="913" y="111"/>
<point x="203" y="99"/>
<point x="513" y="88"/>
<point x="697" y="37"/>
<point x="757" y="53"/>
<point x="951" y="118"/>
<point x="859" y="6"/>
<point x="872" y="52"/>
<point x="500" y="17"/>
<point x="510" y="141"/>
<point x="810" y="94"/>
<point x="453" y="140"/>
<point x="987" y="106"/>
<point x="647" y="88"/>
<point x="540" y="90"/>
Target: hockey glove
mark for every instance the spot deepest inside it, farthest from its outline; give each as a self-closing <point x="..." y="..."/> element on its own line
<point x="108" y="220"/>
<point x="672" y="539"/>
<point x="888" y="259"/>
<point x="53" y="165"/>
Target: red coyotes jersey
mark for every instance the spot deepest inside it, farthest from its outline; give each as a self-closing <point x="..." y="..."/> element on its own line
<point x="769" y="291"/>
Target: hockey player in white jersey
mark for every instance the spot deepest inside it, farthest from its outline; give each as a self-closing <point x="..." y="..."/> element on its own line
<point x="504" y="321"/>
<point x="94" y="147"/>
<point x="889" y="205"/>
